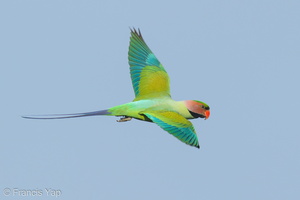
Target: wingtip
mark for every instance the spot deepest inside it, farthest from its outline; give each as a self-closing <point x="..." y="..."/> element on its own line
<point x="136" y="32"/>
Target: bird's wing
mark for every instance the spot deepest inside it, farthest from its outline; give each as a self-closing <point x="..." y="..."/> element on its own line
<point x="175" y="124"/>
<point x="149" y="78"/>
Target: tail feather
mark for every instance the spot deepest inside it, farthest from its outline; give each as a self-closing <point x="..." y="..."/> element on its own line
<point x="64" y="116"/>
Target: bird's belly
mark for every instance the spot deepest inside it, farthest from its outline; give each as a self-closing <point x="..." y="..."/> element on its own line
<point x="133" y="109"/>
<point x="136" y="108"/>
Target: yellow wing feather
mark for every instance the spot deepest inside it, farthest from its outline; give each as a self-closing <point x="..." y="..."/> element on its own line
<point x="175" y="124"/>
<point x="149" y="78"/>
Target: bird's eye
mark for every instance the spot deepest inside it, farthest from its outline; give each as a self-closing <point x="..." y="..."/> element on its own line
<point x="202" y="106"/>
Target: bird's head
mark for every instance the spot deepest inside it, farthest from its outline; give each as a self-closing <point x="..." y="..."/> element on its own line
<point x="198" y="109"/>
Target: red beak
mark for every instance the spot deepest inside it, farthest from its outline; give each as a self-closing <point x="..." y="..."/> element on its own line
<point x="207" y="113"/>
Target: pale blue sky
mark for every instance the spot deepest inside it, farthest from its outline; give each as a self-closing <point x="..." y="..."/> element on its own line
<point x="240" y="57"/>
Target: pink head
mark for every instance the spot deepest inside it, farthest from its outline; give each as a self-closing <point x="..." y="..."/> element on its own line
<point x="197" y="108"/>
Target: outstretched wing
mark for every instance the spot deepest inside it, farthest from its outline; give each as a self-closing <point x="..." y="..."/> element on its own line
<point x="176" y="125"/>
<point x="149" y="78"/>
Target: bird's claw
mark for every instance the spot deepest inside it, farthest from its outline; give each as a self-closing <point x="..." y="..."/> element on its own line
<point x="124" y="119"/>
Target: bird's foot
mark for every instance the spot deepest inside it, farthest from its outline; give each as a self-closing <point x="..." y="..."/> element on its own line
<point x="124" y="119"/>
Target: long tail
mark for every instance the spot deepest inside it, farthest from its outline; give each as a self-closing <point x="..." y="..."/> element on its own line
<point x="64" y="116"/>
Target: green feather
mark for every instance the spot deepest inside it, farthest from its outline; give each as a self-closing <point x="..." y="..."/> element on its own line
<point x="176" y="125"/>
<point x="148" y="76"/>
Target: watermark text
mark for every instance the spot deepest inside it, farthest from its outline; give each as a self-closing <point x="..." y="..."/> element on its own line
<point x="20" y="192"/>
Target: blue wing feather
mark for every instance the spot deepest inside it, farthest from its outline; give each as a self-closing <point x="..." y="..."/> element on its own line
<point x="140" y="57"/>
<point x="185" y="132"/>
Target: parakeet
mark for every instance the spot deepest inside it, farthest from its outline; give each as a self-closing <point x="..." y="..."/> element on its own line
<point x="152" y="102"/>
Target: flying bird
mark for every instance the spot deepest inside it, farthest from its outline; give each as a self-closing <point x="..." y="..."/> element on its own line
<point x="152" y="102"/>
